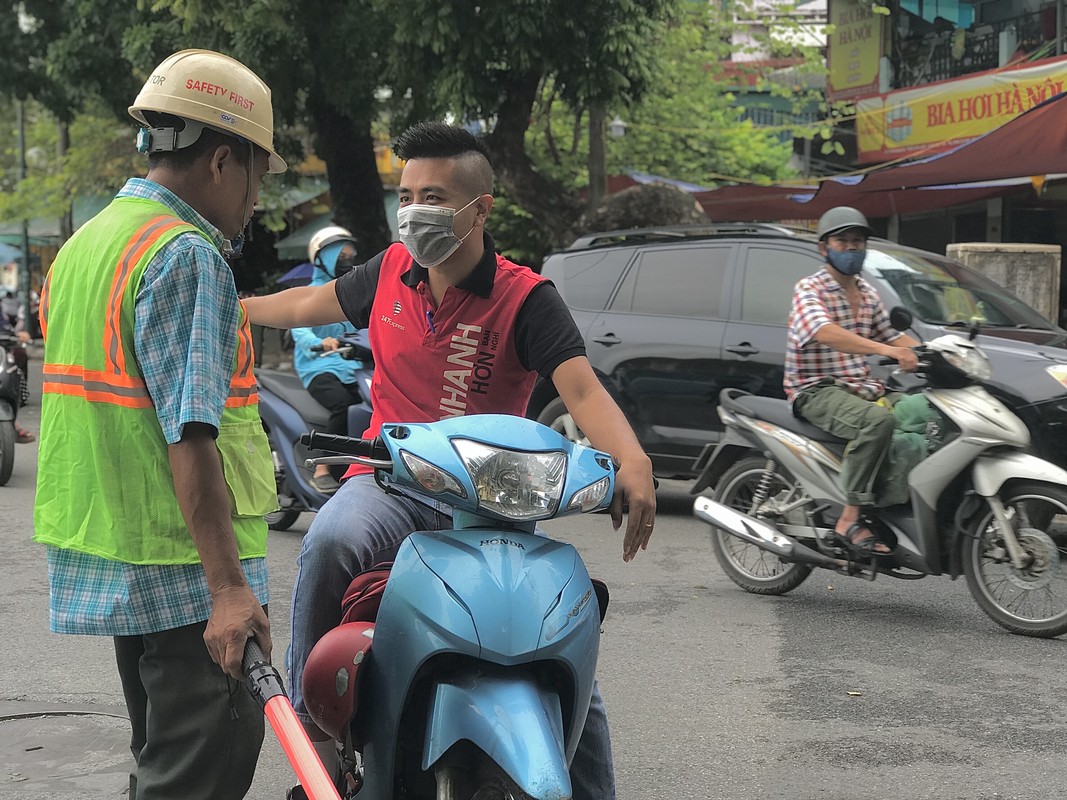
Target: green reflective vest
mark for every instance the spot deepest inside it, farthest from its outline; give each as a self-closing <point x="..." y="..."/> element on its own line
<point x="104" y="484"/>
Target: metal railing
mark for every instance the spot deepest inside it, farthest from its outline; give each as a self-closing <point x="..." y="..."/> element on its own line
<point x="941" y="55"/>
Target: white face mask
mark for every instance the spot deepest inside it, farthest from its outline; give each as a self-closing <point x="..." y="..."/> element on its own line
<point x="427" y="232"/>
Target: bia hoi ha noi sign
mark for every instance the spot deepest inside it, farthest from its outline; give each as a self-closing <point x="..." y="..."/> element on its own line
<point x="937" y="116"/>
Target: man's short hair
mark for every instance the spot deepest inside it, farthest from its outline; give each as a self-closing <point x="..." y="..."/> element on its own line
<point x="438" y="140"/>
<point x="208" y="140"/>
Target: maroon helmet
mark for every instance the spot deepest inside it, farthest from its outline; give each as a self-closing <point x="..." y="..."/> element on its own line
<point x="330" y="684"/>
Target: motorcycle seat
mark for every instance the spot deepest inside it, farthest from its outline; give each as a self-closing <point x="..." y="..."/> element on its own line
<point x="288" y="387"/>
<point x="777" y="412"/>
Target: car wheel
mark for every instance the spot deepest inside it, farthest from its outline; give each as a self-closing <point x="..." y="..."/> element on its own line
<point x="556" y="416"/>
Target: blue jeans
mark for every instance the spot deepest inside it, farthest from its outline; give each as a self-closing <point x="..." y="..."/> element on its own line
<point x="361" y="526"/>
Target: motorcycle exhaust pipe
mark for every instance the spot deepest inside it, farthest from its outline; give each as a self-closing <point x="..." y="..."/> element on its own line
<point x="761" y="534"/>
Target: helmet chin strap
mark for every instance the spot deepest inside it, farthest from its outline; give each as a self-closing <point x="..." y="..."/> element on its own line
<point x="236" y="244"/>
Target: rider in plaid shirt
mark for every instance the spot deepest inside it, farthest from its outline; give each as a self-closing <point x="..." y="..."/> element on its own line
<point x="836" y="321"/>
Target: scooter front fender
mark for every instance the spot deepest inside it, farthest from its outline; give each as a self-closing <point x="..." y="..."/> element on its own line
<point x="517" y="723"/>
<point x="991" y="471"/>
<point x="7" y="411"/>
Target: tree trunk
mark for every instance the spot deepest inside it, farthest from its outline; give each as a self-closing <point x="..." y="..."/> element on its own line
<point x="598" y="175"/>
<point x="347" y="147"/>
<point x="553" y="207"/>
<point x="66" y="220"/>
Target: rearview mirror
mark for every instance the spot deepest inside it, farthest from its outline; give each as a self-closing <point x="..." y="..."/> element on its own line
<point x="900" y="318"/>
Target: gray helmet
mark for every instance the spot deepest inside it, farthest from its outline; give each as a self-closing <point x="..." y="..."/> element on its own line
<point x="841" y="218"/>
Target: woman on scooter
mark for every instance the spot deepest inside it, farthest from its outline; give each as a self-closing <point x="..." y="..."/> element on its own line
<point x="328" y="377"/>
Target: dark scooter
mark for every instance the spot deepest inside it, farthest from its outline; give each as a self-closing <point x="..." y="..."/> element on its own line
<point x="289" y="412"/>
<point x="10" y="400"/>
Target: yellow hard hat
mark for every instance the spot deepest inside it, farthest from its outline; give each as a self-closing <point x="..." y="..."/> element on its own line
<point x="202" y="86"/>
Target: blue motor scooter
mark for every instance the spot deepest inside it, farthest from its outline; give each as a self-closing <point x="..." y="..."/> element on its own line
<point x="288" y="412"/>
<point x="474" y="680"/>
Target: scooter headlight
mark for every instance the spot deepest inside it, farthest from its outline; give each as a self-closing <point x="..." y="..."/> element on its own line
<point x="514" y="484"/>
<point x="971" y="362"/>
<point x="963" y="355"/>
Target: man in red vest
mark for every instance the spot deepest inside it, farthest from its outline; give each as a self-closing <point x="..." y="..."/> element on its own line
<point x="456" y="329"/>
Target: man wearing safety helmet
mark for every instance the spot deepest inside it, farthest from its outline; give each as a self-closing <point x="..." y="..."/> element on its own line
<point x="154" y="470"/>
<point x="328" y="378"/>
<point x="836" y="321"/>
<point x="422" y="301"/>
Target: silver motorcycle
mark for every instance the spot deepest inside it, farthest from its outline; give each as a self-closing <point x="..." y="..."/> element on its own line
<point x="980" y="504"/>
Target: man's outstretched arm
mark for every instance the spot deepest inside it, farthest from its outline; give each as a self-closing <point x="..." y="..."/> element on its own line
<point x="300" y="307"/>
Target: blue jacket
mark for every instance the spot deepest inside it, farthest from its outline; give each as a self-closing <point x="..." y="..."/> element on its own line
<point x="308" y="364"/>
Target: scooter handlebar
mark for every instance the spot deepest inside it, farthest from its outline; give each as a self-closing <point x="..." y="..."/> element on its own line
<point x="363" y="448"/>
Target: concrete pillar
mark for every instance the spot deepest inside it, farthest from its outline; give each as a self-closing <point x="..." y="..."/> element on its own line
<point x="893" y="228"/>
<point x="994" y="219"/>
<point x="1031" y="272"/>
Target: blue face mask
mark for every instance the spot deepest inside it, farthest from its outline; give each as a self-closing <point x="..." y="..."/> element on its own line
<point x="847" y="262"/>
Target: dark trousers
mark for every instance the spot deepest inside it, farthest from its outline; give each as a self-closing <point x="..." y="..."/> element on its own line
<point x="196" y="732"/>
<point x="328" y="390"/>
<point x="868" y="427"/>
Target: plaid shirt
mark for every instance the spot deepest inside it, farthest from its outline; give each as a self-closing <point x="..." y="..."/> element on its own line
<point x="820" y="300"/>
<point x="186" y="317"/>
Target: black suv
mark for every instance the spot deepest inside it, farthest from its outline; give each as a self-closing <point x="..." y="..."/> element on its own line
<point x="672" y="316"/>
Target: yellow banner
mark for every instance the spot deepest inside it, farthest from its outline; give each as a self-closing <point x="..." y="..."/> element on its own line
<point x="854" y="49"/>
<point x="932" y="118"/>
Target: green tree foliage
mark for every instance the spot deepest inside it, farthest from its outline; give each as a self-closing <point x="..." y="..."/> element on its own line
<point x="98" y="160"/>
<point x="321" y="59"/>
<point x="530" y="71"/>
<point x="491" y="62"/>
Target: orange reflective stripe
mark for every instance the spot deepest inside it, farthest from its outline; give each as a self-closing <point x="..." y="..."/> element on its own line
<point x="243" y="387"/>
<point x="95" y="386"/>
<point x="245" y="352"/>
<point x="135" y="249"/>
<point x="97" y="376"/>
<point x="241" y="402"/>
<point x="42" y="305"/>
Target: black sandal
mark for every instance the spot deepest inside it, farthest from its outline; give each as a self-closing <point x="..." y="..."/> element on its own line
<point x="863" y="546"/>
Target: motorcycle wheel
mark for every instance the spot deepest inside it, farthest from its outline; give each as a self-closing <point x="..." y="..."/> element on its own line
<point x="753" y="569"/>
<point x="483" y="780"/>
<point x="1031" y="601"/>
<point x="282" y="519"/>
<point x="556" y="416"/>
<point x="7" y="450"/>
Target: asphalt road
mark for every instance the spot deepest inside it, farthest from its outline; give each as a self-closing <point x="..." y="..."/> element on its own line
<point x="843" y="689"/>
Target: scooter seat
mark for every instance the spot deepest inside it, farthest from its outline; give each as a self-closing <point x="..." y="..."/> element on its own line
<point x="288" y="387"/>
<point x="777" y="412"/>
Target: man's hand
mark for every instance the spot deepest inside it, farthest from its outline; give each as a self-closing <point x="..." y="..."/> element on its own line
<point x="24" y="337"/>
<point x="236" y="617"/>
<point x="634" y="487"/>
<point x="329" y="343"/>
<point x="905" y="357"/>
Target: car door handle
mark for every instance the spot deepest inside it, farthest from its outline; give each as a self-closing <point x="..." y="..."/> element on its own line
<point x="607" y="340"/>
<point x="743" y="349"/>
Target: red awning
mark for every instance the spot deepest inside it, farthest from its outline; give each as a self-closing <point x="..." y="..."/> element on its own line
<point x="1034" y="143"/>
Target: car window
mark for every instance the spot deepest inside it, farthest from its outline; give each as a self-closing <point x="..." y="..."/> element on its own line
<point x="676" y="281"/>
<point x="771" y="273"/>
<point x="944" y="292"/>
<point x="589" y="278"/>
